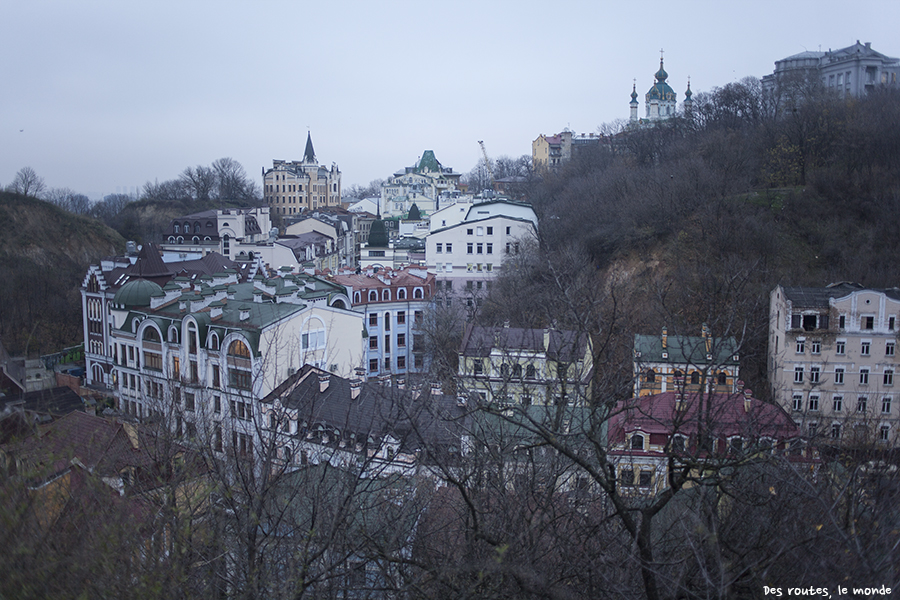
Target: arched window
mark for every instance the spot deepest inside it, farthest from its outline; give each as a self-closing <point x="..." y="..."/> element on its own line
<point x="192" y="338"/>
<point x="238" y="348"/>
<point x="695" y="378"/>
<point x="177" y="228"/>
<point x="679" y="376"/>
<point x="173" y="335"/>
<point x="637" y="442"/>
<point x="373" y="296"/>
<point x="187" y="227"/>
<point x="196" y="239"/>
<point x="530" y="372"/>
<point x="417" y="293"/>
<point x="197" y="227"/>
<point x="357" y="297"/>
<point x="401" y="294"/>
<point x="722" y="378"/>
<point x="386" y="295"/>
<point x="213" y="341"/>
<point x="206" y="238"/>
<point x="151" y="335"/>
<point x="171" y="239"/>
<point x="650" y="376"/>
<point x="226" y="245"/>
<point x="180" y="240"/>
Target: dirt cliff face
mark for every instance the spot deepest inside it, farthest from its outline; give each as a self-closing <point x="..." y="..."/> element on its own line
<point x="44" y="254"/>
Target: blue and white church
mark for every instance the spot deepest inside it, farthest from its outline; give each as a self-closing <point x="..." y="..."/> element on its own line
<point x="661" y="100"/>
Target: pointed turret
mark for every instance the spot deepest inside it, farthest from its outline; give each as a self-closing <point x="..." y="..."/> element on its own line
<point x="634" y="102"/>
<point x="688" y="103"/>
<point x="309" y="155"/>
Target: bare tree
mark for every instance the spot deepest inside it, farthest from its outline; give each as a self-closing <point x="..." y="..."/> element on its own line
<point x="28" y="183"/>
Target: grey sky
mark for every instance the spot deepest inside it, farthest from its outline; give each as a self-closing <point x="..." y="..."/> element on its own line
<point x="111" y="94"/>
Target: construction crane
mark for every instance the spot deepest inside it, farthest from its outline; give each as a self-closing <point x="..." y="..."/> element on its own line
<point x="487" y="163"/>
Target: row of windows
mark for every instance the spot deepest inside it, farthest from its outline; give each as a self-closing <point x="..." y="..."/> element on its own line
<point x="837" y="403"/>
<point x="816" y="321"/>
<point x="194" y="240"/>
<point x="815" y="375"/>
<point x="372" y="295"/>
<point x="721" y="377"/>
<point x="418" y="362"/>
<point x="840" y="347"/>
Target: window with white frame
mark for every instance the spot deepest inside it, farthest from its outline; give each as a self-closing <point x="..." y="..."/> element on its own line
<point x="816" y="346"/>
<point x="889" y="348"/>
<point x="839" y="375"/>
<point x="798" y="374"/>
<point x="884" y="433"/>
<point x="888" y="377"/>
<point x="862" y="404"/>
<point x="797" y="402"/>
<point x="835" y="431"/>
<point x="865" y="348"/>
<point x="864" y="377"/>
<point x="814" y="403"/>
<point x="837" y="403"/>
<point x="801" y="345"/>
<point x="886" y="405"/>
<point x="840" y="346"/>
<point x="814" y="374"/>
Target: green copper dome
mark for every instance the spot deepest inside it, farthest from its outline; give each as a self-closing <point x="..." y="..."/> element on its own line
<point x="136" y="293"/>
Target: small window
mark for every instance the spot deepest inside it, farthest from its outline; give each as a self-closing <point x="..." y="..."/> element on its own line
<point x="816" y="347"/>
<point x="650" y="376"/>
<point x="797" y="402"/>
<point x="865" y="348"/>
<point x="801" y="345"/>
<point x="798" y="374"/>
<point x="861" y="404"/>
<point x="645" y="478"/>
<point x="864" y="377"/>
<point x="886" y="405"/>
<point x="868" y="323"/>
<point x="840" y="347"/>
<point x="838" y="403"/>
<point x="814" y="403"/>
<point x="626" y="477"/>
<point x="839" y="376"/>
<point x="814" y="375"/>
<point x="637" y="442"/>
<point x="889" y="348"/>
<point x="836" y="431"/>
<point x="888" y="377"/>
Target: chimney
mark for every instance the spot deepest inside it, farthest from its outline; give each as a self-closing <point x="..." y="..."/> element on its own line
<point x="355" y="387"/>
<point x="707" y="339"/>
<point x="385" y="379"/>
<point x="401" y="383"/>
<point x="324" y="380"/>
<point x="245" y="314"/>
<point x="435" y="388"/>
<point x="360" y="372"/>
<point x="665" y="338"/>
<point x="131" y="432"/>
<point x="748" y="397"/>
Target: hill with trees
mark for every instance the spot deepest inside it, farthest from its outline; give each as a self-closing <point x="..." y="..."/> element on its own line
<point x="44" y="253"/>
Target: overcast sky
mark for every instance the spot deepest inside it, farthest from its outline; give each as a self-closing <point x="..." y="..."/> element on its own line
<point x="102" y="96"/>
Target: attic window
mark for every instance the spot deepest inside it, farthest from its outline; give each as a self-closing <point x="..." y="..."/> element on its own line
<point x="637" y="442"/>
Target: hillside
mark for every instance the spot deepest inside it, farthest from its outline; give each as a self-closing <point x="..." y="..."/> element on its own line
<point x="44" y="253"/>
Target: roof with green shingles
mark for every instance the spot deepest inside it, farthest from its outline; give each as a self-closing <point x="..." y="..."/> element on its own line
<point x="684" y="349"/>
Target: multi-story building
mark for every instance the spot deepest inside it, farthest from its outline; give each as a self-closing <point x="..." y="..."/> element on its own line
<point x="200" y="342"/>
<point x="290" y="187"/>
<point x="666" y="363"/>
<point x="650" y="434"/>
<point x="222" y="231"/>
<point x="515" y="366"/>
<point x="467" y="255"/>
<point x="421" y="184"/>
<point x="852" y="71"/>
<point x="318" y="418"/>
<point x="550" y="152"/>
<point x="340" y="228"/>
<point x="832" y="360"/>
<point x="394" y="305"/>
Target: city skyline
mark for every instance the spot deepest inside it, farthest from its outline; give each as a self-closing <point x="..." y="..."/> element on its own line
<point x="104" y="97"/>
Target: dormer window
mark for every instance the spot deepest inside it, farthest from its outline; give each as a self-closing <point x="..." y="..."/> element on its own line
<point x="637" y="442"/>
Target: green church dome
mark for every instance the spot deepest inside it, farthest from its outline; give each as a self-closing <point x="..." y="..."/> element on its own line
<point x="136" y="293"/>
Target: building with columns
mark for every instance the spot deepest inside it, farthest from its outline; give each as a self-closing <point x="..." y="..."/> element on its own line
<point x="660" y="101"/>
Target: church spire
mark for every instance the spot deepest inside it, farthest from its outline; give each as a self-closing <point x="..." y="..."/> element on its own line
<point x="309" y="155"/>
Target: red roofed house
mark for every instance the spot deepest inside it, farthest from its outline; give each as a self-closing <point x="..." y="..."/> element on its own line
<point x="698" y="430"/>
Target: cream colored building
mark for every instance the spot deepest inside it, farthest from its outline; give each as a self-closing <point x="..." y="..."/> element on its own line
<point x="290" y="187"/>
<point x="832" y="361"/>
<point x="514" y="366"/>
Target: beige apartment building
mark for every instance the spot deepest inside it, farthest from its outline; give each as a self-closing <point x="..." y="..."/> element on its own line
<point x="290" y="187"/>
<point x="832" y="361"/>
